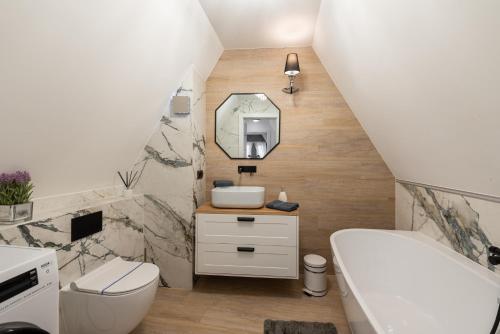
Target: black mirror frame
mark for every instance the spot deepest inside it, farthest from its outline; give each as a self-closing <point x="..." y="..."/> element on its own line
<point x="215" y="128"/>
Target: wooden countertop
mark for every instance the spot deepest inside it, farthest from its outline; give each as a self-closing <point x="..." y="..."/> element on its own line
<point x="208" y="208"/>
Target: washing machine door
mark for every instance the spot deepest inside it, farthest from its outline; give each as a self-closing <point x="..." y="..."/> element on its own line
<point x="21" y="328"/>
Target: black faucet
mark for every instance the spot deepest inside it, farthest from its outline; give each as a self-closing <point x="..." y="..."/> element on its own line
<point x="494" y="255"/>
<point x="247" y="169"/>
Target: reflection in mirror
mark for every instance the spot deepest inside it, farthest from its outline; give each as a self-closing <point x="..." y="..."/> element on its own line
<point x="247" y="126"/>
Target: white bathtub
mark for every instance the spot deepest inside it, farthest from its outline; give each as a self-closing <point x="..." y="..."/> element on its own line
<point x="406" y="283"/>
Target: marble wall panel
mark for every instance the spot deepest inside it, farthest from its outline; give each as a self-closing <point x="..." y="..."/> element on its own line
<point x="122" y="235"/>
<point x="168" y="170"/>
<point x="467" y="225"/>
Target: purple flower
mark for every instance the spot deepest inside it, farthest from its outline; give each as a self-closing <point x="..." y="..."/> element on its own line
<point x="17" y="177"/>
<point x="4" y="178"/>
<point x="22" y="177"/>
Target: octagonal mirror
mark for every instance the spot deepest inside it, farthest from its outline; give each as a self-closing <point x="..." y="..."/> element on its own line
<point x="247" y="126"/>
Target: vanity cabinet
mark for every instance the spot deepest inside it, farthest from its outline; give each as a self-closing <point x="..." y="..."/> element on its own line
<point x="247" y="242"/>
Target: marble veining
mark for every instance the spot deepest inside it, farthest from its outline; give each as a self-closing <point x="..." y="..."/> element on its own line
<point x="51" y="205"/>
<point x="467" y="225"/>
<point x="166" y="121"/>
<point x="167" y="177"/>
<point x="122" y="235"/>
<point x="176" y="162"/>
<point x="179" y="231"/>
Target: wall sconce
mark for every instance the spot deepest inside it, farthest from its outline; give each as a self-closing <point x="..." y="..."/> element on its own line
<point x="292" y="69"/>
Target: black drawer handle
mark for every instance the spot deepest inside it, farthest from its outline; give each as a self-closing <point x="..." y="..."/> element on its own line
<point x="246" y="249"/>
<point x="246" y="219"/>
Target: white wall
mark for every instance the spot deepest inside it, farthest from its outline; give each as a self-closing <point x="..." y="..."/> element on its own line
<point x="423" y="78"/>
<point x="83" y="83"/>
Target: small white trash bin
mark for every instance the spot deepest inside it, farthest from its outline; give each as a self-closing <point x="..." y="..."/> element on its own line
<point x="315" y="275"/>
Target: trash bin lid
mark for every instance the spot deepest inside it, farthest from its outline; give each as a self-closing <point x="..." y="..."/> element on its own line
<point x="315" y="261"/>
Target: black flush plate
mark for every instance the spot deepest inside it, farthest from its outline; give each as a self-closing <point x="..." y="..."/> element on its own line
<point x="247" y="169"/>
<point x="86" y="225"/>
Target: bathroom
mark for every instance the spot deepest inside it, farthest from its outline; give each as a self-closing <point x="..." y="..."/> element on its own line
<point x="264" y="166"/>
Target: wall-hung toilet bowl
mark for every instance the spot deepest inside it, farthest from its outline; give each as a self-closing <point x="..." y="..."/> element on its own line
<point x="113" y="299"/>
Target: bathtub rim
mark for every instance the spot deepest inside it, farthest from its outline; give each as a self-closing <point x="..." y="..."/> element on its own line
<point x="423" y="240"/>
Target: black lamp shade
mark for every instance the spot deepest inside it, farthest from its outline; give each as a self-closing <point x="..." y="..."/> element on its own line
<point x="292" y="64"/>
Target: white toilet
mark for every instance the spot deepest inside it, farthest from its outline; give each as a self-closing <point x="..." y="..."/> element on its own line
<point x="113" y="299"/>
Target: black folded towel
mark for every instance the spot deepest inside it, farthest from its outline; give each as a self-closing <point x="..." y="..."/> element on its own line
<point x="223" y="183"/>
<point x="282" y="206"/>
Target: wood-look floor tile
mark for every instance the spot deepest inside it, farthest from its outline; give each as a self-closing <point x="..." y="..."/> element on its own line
<point x="226" y="305"/>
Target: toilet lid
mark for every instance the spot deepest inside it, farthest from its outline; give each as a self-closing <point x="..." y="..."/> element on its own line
<point x="117" y="277"/>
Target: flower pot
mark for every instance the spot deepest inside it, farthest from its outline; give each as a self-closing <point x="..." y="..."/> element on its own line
<point x="16" y="213"/>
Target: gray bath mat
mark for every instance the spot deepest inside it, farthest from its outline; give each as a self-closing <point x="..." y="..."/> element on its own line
<point x="298" y="327"/>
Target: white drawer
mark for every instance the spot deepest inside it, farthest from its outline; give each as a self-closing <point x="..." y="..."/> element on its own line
<point x="263" y="261"/>
<point x="258" y="230"/>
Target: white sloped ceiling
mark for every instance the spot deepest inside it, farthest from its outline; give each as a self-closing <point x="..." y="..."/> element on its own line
<point x="83" y="83"/>
<point x="423" y="78"/>
<point x="250" y="24"/>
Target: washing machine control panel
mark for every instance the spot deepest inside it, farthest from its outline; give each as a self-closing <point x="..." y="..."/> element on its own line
<point x="28" y="283"/>
<point x="29" y="287"/>
<point x="18" y="284"/>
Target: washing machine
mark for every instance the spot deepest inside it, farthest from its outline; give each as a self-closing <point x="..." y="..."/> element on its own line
<point x="29" y="290"/>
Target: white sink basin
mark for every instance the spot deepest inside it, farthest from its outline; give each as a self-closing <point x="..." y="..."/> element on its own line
<point x="238" y="197"/>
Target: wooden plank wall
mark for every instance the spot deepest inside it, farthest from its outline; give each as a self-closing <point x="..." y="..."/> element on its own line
<point x="325" y="160"/>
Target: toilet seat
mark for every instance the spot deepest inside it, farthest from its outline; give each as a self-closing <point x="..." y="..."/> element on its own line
<point x="117" y="277"/>
<point x="112" y="299"/>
